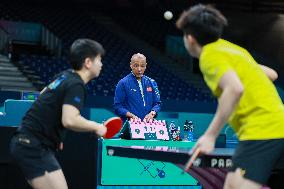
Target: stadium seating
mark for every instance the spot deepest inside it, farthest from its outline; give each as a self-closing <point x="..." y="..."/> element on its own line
<point x="69" y="26"/>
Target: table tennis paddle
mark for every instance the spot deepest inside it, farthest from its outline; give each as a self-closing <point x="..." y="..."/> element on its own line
<point x="113" y="126"/>
<point x="191" y="160"/>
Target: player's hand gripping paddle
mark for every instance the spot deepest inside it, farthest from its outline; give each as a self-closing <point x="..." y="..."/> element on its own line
<point x="113" y="126"/>
<point x="191" y="160"/>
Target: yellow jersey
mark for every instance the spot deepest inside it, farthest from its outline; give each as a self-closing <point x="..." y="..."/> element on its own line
<point x="259" y="115"/>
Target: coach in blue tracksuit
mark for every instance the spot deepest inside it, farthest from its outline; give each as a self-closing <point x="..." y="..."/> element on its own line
<point x="136" y="95"/>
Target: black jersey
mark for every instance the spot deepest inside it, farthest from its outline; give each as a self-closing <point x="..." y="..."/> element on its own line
<point x="43" y="119"/>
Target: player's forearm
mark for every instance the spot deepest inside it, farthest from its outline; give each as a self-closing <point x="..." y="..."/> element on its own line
<point x="80" y="124"/>
<point x="226" y="105"/>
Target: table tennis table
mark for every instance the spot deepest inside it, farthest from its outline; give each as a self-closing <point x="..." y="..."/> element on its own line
<point x="209" y="170"/>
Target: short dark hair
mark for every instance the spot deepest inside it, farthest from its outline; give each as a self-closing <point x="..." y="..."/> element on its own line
<point x="203" y="22"/>
<point x="82" y="49"/>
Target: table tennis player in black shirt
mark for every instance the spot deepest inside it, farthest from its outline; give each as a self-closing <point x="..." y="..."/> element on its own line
<point x="57" y="108"/>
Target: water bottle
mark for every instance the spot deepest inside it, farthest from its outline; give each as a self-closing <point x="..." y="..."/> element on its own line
<point x="185" y="131"/>
<point x="172" y="129"/>
<point x="178" y="134"/>
<point x="190" y="131"/>
<point x="188" y="128"/>
<point x="172" y="126"/>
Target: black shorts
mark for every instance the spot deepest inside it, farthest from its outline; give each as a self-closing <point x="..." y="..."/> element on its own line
<point x="33" y="158"/>
<point x="259" y="158"/>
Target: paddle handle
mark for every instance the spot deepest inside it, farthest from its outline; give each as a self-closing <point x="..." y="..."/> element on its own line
<point x="191" y="160"/>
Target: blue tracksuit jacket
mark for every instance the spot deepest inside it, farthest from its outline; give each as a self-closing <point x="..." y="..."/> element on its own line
<point x="128" y="97"/>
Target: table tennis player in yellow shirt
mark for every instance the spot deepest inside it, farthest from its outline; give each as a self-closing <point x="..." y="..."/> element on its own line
<point x="247" y="98"/>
